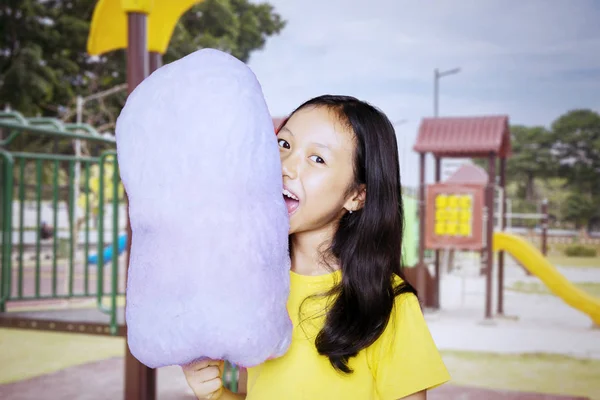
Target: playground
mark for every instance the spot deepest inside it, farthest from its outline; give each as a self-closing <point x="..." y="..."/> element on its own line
<point x="514" y="317"/>
<point x="539" y="337"/>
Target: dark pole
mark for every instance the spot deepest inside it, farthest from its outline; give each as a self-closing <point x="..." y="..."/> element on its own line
<point x="490" y="235"/>
<point x="436" y="78"/>
<point x="140" y="381"/>
<point x="421" y="285"/>
<point x="545" y="227"/>
<point x="154" y="61"/>
<point x="500" y="306"/>
<point x="436" y="295"/>
<point x="137" y="53"/>
<point x="3" y="167"/>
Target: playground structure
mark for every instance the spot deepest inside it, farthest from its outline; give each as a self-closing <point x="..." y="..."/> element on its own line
<point x="473" y="176"/>
<point x="459" y="214"/>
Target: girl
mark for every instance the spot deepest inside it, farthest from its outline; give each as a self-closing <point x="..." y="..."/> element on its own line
<point x="359" y="332"/>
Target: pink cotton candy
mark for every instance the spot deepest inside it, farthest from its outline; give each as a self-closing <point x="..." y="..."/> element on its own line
<point x="209" y="264"/>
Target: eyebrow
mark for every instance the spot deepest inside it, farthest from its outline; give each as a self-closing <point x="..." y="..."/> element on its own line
<point x="287" y="129"/>
<point x="321" y="145"/>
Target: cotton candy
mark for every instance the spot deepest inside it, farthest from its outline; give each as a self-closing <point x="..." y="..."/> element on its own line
<point x="209" y="263"/>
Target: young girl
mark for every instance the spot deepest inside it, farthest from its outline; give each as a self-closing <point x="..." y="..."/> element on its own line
<point x="359" y="332"/>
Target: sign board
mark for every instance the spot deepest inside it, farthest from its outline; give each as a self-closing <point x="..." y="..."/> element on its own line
<point x="454" y="216"/>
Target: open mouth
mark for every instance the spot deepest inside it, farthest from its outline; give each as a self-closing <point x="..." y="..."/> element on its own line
<point x="291" y="200"/>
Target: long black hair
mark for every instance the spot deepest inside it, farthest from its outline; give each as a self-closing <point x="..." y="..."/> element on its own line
<point x="368" y="243"/>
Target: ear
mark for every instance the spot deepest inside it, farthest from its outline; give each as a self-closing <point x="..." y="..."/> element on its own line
<point x="356" y="200"/>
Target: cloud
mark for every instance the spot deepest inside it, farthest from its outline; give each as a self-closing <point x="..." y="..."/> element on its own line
<point x="531" y="60"/>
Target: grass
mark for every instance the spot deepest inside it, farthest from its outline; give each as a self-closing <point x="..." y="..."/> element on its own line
<point x="592" y="288"/>
<point x="27" y="354"/>
<point x="574" y="262"/>
<point x="547" y="373"/>
<point x="556" y="255"/>
<point x="561" y="247"/>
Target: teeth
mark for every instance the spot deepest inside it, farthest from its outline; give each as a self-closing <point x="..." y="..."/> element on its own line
<point x="290" y="195"/>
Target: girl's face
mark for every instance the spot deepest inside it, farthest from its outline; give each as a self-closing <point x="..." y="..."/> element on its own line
<point x="317" y="154"/>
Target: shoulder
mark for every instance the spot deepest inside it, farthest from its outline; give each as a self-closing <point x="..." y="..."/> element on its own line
<point x="406" y="299"/>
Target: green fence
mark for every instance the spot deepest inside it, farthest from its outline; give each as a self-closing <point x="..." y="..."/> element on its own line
<point x="47" y="232"/>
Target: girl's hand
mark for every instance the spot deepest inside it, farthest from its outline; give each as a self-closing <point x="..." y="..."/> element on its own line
<point x="204" y="377"/>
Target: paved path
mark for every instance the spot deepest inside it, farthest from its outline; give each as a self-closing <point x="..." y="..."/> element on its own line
<point x="533" y="323"/>
<point x="103" y="380"/>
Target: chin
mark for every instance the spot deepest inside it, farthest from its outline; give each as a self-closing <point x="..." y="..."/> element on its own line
<point x="292" y="229"/>
<point x="293" y="224"/>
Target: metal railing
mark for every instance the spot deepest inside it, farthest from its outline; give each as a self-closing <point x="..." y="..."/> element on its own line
<point x="38" y="184"/>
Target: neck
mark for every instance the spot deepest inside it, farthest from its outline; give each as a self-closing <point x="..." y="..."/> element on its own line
<point x="307" y="251"/>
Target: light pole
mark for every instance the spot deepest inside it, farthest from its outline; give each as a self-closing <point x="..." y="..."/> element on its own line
<point x="436" y="77"/>
<point x="438" y="169"/>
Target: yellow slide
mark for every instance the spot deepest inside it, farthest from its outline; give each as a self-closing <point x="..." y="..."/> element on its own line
<point x="538" y="265"/>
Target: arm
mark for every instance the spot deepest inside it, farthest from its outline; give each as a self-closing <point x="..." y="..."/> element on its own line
<point x="416" y="396"/>
<point x="243" y="381"/>
<point x="242" y="387"/>
<point x="228" y="395"/>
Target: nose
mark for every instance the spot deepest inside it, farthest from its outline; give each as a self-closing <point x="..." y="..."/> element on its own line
<point x="289" y="166"/>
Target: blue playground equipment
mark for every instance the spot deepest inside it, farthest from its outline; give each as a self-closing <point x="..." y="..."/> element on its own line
<point x="108" y="251"/>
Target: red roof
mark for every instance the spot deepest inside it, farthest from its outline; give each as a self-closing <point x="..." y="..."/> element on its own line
<point x="469" y="173"/>
<point x="277" y="121"/>
<point x="464" y="136"/>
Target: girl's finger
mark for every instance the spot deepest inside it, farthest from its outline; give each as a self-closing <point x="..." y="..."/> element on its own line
<point x="212" y="388"/>
<point x="208" y="373"/>
<point x="198" y="365"/>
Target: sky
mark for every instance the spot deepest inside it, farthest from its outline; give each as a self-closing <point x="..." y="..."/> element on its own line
<point x="531" y="60"/>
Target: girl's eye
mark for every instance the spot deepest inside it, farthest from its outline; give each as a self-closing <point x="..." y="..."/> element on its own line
<point x="317" y="159"/>
<point x="283" y="143"/>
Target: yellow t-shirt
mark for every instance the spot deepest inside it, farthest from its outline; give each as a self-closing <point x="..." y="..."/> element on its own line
<point x="404" y="359"/>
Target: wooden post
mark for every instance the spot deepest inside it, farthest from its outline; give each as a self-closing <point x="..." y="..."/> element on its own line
<point x="436" y="295"/>
<point x="3" y="200"/>
<point x="140" y="381"/>
<point x="490" y="235"/>
<point x="500" y="305"/>
<point x="545" y="221"/>
<point x="421" y="273"/>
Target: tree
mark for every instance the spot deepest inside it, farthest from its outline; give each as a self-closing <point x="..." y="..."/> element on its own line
<point x="577" y="147"/>
<point x="579" y="210"/>
<point x="238" y="27"/>
<point x="577" y="137"/>
<point x="531" y="158"/>
<point x="44" y="64"/>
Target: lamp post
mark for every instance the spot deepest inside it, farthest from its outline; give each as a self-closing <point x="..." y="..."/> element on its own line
<point x="436" y="77"/>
